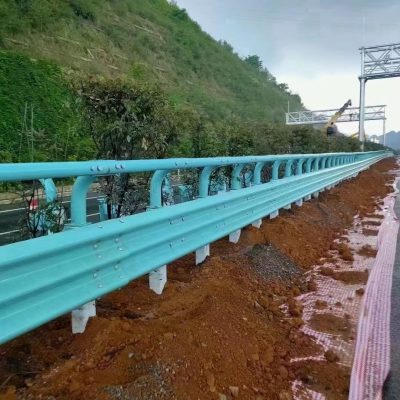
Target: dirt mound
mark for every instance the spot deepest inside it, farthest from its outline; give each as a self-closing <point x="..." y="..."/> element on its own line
<point x="351" y="277"/>
<point x="330" y="323"/>
<point x="305" y="234"/>
<point x="370" y="232"/>
<point x="329" y="379"/>
<point x="367" y="251"/>
<point x="216" y="329"/>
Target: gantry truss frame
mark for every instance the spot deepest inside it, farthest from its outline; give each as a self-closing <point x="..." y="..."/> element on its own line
<point x="351" y="114"/>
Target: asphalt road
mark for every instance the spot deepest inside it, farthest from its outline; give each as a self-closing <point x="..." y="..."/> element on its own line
<point x="11" y="217"/>
<point x="391" y="390"/>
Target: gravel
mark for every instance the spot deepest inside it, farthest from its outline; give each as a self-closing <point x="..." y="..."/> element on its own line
<point x="267" y="261"/>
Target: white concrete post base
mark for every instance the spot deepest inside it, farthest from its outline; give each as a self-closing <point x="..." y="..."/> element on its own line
<point x="234" y="236"/>
<point x="257" y="223"/>
<point x="81" y="315"/>
<point x="308" y="197"/>
<point x="315" y="195"/>
<point x="299" y="202"/>
<point x="288" y="207"/>
<point x="202" y="253"/>
<point x="158" y="279"/>
<point x="274" y="214"/>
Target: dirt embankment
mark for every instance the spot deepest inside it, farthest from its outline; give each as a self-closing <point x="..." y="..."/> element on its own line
<point x="217" y="331"/>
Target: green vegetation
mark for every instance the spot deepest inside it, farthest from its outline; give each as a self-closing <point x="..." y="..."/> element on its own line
<point x="37" y="120"/>
<point x="135" y="79"/>
<point x="145" y="40"/>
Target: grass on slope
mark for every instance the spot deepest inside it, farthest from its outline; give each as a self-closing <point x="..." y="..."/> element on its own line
<point x="146" y="40"/>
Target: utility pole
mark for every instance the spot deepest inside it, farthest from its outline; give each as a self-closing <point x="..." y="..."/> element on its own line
<point x="362" y="79"/>
<point x="384" y="132"/>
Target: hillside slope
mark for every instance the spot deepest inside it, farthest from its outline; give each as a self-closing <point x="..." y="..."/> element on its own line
<point x="146" y="40"/>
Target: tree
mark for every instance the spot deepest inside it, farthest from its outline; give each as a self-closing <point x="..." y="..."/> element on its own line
<point x="254" y="61"/>
<point x="127" y="122"/>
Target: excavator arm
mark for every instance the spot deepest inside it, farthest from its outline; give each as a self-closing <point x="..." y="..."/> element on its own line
<point x="338" y="114"/>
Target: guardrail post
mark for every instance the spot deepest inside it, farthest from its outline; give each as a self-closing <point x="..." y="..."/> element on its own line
<point x="308" y="165"/>
<point x="155" y="188"/>
<point x="257" y="181"/>
<point x="236" y="184"/>
<point x="257" y="173"/>
<point x="288" y="168"/>
<point x="78" y="201"/>
<point x="274" y="214"/>
<point x="316" y="164"/>
<point x="81" y="315"/>
<point x="275" y="170"/>
<point x="288" y="172"/>
<point x="299" y="169"/>
<point x="205" y="180"/>
<point x="236" y="181"/>
<point x="203" y="252"/>
<point x="329" y="162"/>
<point x="51" y="194"/>
<point x="158" y="276"/>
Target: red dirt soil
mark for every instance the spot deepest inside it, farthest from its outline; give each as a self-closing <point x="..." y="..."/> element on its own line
<point x="216" y="329"/>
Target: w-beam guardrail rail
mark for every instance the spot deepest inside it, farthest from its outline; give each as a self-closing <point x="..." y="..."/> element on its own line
<point x="43" y="278"/>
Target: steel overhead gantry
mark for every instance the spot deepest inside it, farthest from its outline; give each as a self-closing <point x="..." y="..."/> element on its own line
<point x="377" y="62"/>
<point x="351" y="114"/>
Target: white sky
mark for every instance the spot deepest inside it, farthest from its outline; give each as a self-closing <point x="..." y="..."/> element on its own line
<point x="312" y="45"/>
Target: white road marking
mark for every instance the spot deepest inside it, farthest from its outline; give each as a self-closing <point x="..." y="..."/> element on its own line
<point x="23" y="208"/>
<point x="6" y="233"/>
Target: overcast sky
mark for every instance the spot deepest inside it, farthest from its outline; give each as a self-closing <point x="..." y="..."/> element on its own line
<point x="312" y="45"/>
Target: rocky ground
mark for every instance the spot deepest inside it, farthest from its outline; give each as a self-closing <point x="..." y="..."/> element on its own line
<point x="217" y="332"/>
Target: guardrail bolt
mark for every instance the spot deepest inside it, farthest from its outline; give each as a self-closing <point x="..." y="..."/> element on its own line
<point x="100" y="286"/>
<point x="116" y="267"/>
<point x="120" y="248"/>
<point x="94" y="275"/>
<point x="99" y="168"/>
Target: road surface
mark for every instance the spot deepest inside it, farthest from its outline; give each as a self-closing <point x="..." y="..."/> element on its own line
<point x="392" y="384"/>
<point x="11" y="217"/>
